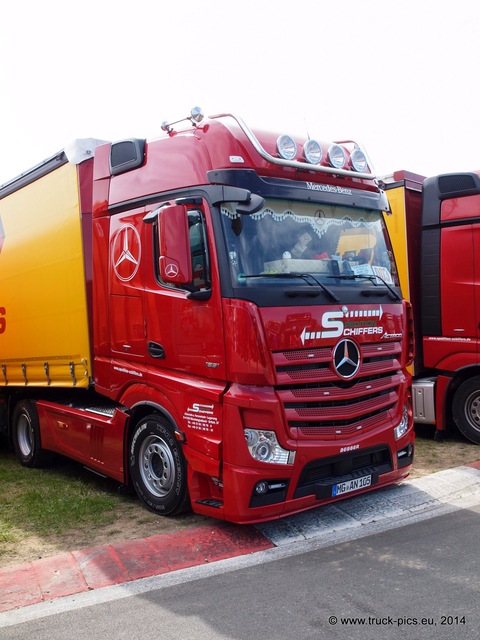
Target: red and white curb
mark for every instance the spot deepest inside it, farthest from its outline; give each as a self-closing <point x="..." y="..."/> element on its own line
<point x="79" y="571"/>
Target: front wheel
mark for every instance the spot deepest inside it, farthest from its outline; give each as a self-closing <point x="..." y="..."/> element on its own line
<point x="157" y="467"/>
<point x="466" y="409"/>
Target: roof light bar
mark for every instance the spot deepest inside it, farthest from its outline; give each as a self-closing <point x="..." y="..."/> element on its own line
<point x="296" y="164"/>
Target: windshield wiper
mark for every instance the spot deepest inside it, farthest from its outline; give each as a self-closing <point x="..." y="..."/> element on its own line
<point x="303" y="276"/>
<point x="373" y="279"/>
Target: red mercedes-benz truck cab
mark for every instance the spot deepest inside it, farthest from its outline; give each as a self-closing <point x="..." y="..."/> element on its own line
<point x="436" y="234"/>
<point x="249" y="339"/>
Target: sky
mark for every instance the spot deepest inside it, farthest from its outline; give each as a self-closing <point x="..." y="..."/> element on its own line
<point x="400" y="76"/>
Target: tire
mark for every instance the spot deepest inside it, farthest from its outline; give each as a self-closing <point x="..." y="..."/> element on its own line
<point x="158" y="469"/>
<point x="26" y="436"/>
<point x="466" y="409"/>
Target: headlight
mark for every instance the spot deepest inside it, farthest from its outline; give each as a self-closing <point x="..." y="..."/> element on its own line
<point x="402" y="428"/>
<point x="312" y="151"/>
<point x="286" y="147"/>
<point x="263" y="446"/>
<point x="359" y="161"/>
<point x="336" y="155"/>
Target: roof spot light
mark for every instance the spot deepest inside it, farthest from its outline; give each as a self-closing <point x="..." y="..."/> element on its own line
<point x="359" y="161"/>
<point x="286" y="147"/>
<point x="312" y="151"/>
<point x="336" y="156"/>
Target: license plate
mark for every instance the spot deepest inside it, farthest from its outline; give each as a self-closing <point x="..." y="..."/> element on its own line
<point x="351" y="485"/>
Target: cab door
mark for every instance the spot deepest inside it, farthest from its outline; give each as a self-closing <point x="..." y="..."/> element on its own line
<point x="183" y="319"/>
<point x="476" y="269"/>
<point x="458" y="281"/>
<point x="460" y="270"/>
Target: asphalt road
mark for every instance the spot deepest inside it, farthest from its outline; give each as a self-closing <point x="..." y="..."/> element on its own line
<point x="420" y="580"/>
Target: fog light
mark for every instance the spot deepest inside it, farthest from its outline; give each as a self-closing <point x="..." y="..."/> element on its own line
<point x="261" y="488"/>
<point x="405" y="457"/>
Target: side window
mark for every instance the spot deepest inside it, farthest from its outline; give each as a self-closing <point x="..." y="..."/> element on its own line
<point x="198" y="252"/>
<point x="198" y="249"/>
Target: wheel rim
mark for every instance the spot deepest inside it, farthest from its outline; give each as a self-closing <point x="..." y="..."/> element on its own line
<point x="472" y="410"/>
<point x="157" y="466"/>
<point x="24" y="435"/>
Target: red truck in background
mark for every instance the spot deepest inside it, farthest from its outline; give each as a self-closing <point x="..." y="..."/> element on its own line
<point x="213" y="317"/>
<point x="435" y="230"/>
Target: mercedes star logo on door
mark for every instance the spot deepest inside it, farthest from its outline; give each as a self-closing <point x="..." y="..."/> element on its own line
<point x="346" y="358"/>
<point x="126" y="252"/>
<point x="171" y="270"/>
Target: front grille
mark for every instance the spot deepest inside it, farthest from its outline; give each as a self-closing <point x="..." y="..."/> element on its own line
<point x="320" y="405"/>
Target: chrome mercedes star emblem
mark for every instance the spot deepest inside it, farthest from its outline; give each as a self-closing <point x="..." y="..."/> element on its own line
<point x="346" y="358"/>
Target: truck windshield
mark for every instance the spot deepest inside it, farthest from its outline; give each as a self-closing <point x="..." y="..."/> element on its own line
<point x="333" y="245"/>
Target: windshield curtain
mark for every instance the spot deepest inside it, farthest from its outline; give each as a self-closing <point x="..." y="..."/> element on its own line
<point x="333" y="243"/>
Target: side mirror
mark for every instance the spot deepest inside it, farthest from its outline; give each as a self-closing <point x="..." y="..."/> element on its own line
<point x="175" y="260"/>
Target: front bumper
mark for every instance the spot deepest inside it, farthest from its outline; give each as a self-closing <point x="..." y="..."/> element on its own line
<point x="316" y="478"/>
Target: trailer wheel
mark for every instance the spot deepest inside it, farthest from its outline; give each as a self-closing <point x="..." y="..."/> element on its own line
<point x="158" y="468"/>
<point x="26" y="436"/>
<point x="466" y="409"/>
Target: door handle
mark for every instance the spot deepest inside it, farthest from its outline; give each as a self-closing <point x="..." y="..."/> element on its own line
<point x="156" y="350"/>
